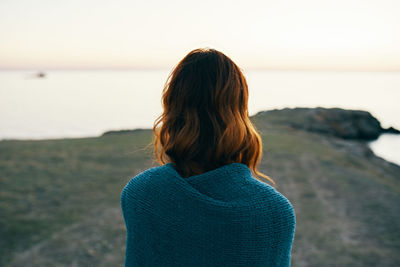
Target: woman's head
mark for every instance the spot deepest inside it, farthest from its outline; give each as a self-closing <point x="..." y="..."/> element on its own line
<point x="205" y="122"/>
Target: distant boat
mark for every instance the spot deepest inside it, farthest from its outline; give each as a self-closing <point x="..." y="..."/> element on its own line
<point x="40" y="74"/>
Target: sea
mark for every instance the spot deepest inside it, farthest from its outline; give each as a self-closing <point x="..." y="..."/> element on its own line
<point x="76" y="103"/>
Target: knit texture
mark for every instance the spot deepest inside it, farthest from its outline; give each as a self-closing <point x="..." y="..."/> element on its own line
<point x="223" y="217"/>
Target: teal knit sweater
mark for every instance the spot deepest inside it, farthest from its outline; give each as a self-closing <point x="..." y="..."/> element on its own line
<point x="223" y="217"/>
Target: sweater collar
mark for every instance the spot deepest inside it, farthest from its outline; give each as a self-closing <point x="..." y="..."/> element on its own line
<point x="232" y="172"/>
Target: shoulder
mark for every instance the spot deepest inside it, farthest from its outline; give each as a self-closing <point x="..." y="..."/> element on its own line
<point x="141" y="182"/>
<point x="274" y="201"/>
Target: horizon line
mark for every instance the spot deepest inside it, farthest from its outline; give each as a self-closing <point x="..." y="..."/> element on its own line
<point x="170" y="69"/>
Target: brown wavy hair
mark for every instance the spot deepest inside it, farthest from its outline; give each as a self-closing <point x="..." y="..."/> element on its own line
<point x="205" y="122"/>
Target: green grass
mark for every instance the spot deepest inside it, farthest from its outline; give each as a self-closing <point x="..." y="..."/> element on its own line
<point x="346" y="205"/>
<point x="47" y="185"/>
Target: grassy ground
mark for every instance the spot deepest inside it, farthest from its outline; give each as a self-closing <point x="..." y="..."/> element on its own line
<point x="47" y="186"/>
<point x="59" y="199"/>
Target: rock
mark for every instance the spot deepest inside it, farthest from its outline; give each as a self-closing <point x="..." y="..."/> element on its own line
<point x="343" y="123"/>
<point x="125" y="131"/>
<point x="391" y="130"/>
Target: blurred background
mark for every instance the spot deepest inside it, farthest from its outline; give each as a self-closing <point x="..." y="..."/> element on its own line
<point x="79" y="68"/>
<point x="72" y="70"/>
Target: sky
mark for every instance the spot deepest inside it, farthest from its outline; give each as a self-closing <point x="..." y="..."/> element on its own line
<point x="268" y="34"/>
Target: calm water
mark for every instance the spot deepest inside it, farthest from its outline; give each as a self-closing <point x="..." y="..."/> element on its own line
<point x="87" y="103"/>
<point x="388" y="147"/>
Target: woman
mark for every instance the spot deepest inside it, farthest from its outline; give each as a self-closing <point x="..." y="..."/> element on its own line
<point x="204" y="207"/>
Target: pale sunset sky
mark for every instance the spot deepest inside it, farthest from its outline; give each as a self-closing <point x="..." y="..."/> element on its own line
<point x="267" y="34"/>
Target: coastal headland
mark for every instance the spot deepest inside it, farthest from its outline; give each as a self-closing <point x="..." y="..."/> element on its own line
<point x="59" y="198"/>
